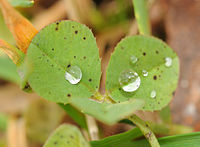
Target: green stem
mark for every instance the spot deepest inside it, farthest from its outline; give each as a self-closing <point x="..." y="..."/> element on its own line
<point x="142" y="16"/>
<point x="149" y="135"/>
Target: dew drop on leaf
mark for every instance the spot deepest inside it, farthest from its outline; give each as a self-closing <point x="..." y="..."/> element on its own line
<point x="168" y="61"/>
<point x="153" y="94"/>
<point x="129" y="80"/>
<point x="73" y="74"/>
<point x="144" y="73"/>
<point x="133" y="59"/>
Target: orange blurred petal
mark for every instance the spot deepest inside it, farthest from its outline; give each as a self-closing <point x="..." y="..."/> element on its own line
<point x="14" y="54"/>
<point x="22" y="30"/>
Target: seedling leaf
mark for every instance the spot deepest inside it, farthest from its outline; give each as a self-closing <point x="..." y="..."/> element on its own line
<point x="106" y="112"/>
<point x="66" y="136"/>
<point x="56" y="48"/>
<point x="151" y="54"/>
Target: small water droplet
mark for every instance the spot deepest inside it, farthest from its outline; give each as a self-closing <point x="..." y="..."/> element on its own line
<point x="168" y="61"/>
<point x="73" y="74"/>
<point x="153" y="94"/>
<point x="133" y="59"/>
<point x="144" y="73"/>
<point x="129" y="80"/>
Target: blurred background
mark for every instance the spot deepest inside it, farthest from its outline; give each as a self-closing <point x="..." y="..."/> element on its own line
<point x="177" y="22"/>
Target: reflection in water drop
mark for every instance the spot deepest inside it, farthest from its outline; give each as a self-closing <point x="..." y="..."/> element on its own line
<point x="129" y="80"/>
<point x="168" y="61"/>
<point x="73" y="74"/>
<point x="153" y="94"/>
<point x="144" y="73"/>
<point x="133" y="59"/>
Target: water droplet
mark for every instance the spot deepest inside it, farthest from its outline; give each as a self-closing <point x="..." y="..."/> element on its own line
<point x="133" y="59"/>
<point x="153" y="94"/>
<point x="73" y="74"/>
<point x="129" y="80"/>
<point x="144" y="73"/>
<point x="168" y="61"/>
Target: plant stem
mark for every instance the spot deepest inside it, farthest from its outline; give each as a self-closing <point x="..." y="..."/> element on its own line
<point x="149" y="135"/>
<point x="92" y="128"/>
<point x="142" y="16"/>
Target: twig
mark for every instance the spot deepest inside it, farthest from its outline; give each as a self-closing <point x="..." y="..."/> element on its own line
<point x="149" y="135"/>
<point x="92" y="128"/>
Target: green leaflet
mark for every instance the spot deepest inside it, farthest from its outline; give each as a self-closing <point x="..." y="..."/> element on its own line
<point x="106" y="112"/>
<point x="151" y="54"/>
<point x="53" y="50"/>
<point x="66" y="136"/>
<point x="22" y="3"/>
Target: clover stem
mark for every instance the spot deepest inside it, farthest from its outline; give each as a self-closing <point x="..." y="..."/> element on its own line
<point x="149" y="135"/>
<point x="92" y="127"/>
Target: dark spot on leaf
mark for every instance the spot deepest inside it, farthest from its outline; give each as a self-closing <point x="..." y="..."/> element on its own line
<point x="43" y="54"/>
<point x="144" y="54"/>
<point x="52" y="49"/>
<point x="84" y="57"/>
<point x="155" y="77"/>
<point x="72" y="26"/>
<point x="39" y="57"/>
<point x="158" y="68"/>
<point x="27" y="86"/>
<point x="159" y="76"/>
<point x="65" y="38"/>
<point x="57" y="23"/>
<point x="118" y="101"/>
<point x="47" y="60"/>
<point x="55" y="142"/>
<point x="147" y="125"/>
<point x="68" y="65"/>
<point x="69" y="95"/>
<point x="51" y="65"/>
<point x="74" y="57"/>
<point x="158" y="102"/>
<point x="76" y="32"/>
<point x="56" y="28"/>
<point x="71" y="136"/>
<point x="96" y="86"/>
<point x="84" y="38"/>
<point x="173" y="93"/>
<point x="157" y="52"/>
<point x="122" y="47"/>
<point x="90" y="80"/>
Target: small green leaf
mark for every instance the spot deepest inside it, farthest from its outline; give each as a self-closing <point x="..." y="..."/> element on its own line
<point x="66" y="136"/>
<point x="151" y="54"/>
<point x="106" y="112"/>
<point x="56" y="48"/>
<point x="22" y="3"/>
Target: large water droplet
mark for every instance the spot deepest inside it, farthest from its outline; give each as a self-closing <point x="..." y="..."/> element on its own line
<point x="133" y="59"/>
<point x="73" y="74"/>
<point x="144" y="73"/>
<point x="168" y="61"/>
<point x="153" y="94"/>
<point x="129" y="80"/>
